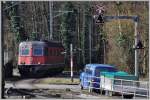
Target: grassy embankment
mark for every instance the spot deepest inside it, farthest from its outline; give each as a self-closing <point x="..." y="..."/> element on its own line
<point x="59" y="81"/>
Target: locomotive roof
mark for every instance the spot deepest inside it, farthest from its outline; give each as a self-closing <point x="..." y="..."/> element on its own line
<point x="42" y="43"/>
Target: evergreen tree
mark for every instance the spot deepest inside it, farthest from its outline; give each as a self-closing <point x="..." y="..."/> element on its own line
<point x="68" y="26"/>
<point x="12" y="13"/>
<point x="87" y="17"/>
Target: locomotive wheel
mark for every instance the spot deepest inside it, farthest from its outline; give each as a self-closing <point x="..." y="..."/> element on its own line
<point x="32" y="72"/>
<point x="23" y="74"/>
<point x="31" y="75"/>
<point x="52" y="72"/>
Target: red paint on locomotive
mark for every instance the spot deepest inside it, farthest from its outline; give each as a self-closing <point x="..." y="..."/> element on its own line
<point x="40" y="54"/>
<point x="54" y="55"/>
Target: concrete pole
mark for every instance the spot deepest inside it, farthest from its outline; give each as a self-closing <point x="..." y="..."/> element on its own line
<point x="136" y="52"/>
<point x="71" y="61"/>
<point x="2" y="79"/>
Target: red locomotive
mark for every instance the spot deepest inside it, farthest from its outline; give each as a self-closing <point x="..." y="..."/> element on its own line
<point x="40" y="58"/>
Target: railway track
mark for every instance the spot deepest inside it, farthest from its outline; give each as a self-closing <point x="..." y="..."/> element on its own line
<point x="40" y="94"/>
<point x="32" y="93"/>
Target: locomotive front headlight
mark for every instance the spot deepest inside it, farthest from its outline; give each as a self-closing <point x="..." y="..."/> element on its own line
<point x="23" y="63"/>
<point x="39" y="63"/>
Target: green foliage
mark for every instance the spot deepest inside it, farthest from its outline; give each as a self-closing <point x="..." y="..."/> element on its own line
<point x="15" y="23"/>
<point x="17" y="37"/>
<point x="68" y="25"/>
<point x="103" y="36"/>
<point x="12" y="14"/>
<point x="87" y="21"/>
<point x="121" y="40"/>
<point x="33" y="36"/>
<point x="126" y="46"/>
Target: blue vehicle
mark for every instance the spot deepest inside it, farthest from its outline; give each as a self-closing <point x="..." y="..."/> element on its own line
<point x="92" y="73"/>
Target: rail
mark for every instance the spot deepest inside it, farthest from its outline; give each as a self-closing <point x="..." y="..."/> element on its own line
<point x="122" y="86"/>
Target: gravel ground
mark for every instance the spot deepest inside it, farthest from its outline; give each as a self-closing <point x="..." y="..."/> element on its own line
<point x="43" y="89"/>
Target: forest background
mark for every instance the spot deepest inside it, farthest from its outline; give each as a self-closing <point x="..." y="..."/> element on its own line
<point x="72" y="22"/>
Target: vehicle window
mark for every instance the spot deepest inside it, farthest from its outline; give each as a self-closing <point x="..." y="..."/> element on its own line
<point x="88" y="71"/>
<point x="24" y="51"/>
<point x="38" y="51"/>
<point x="97" y="72"/>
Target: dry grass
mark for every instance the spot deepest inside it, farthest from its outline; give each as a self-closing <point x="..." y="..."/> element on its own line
<point x="59" y="81"/>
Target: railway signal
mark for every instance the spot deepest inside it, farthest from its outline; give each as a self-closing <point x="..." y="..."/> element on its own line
<point x="139" y="45"/>
<point x="100" y="19"/>
<point x="100" y="12"/>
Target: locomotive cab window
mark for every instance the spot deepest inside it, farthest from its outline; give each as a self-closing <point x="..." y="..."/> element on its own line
<point x="38" y="51"/>
<point x="24" y="51"/>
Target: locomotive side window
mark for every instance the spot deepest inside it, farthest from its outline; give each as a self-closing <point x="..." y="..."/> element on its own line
<point x="46" y="51"/>
<point x="38" y="51"/>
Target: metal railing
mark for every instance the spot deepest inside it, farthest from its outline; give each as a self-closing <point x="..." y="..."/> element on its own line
<point x="122" y="86"/>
